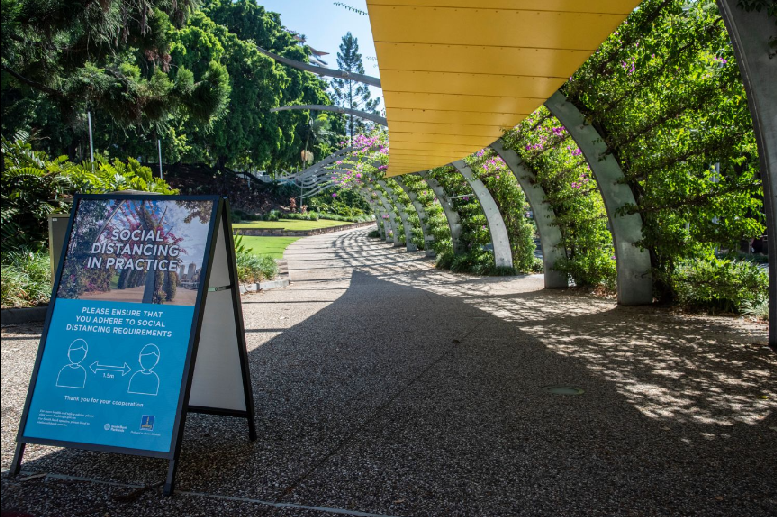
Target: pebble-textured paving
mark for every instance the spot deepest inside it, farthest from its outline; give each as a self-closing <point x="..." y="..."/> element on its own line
<point x="385" y="387"/>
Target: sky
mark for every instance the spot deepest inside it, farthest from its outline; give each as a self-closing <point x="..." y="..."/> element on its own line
<point x="324" y="24"/>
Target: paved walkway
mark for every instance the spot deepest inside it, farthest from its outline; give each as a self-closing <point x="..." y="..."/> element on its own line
<point x="385" y="387"/>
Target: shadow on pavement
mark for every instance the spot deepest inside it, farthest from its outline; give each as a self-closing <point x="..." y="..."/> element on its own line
<point x="419" y="392"/>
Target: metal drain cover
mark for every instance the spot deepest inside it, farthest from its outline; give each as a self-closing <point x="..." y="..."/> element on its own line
<point x="564" y="390"/>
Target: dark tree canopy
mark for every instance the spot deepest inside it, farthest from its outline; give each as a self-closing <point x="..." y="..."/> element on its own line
<point x="165" y="70"/>
<point x="114" y="58"/>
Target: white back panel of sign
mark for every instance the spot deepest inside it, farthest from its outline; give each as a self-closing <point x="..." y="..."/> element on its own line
<point x="218" y="378"/>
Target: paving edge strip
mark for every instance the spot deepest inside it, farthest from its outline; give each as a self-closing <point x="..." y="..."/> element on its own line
<point x="326" y="509"/>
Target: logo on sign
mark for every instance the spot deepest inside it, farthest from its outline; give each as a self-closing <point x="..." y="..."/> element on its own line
<point x="147" y="423"/>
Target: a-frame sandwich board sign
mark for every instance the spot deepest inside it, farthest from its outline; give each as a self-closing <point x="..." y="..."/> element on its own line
<point x="144" y="326"/>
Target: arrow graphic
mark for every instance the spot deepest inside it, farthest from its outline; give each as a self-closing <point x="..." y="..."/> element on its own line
<point x="97" y="366"/>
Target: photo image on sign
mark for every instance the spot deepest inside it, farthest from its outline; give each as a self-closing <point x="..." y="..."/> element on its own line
<point x="137" y="251"/>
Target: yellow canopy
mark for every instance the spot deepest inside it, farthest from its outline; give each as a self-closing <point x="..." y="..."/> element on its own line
<point x="456" y="73"/>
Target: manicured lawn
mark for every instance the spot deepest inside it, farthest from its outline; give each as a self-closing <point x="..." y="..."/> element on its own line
<point x="290" y="224"/>
<point x="272" y="246"/>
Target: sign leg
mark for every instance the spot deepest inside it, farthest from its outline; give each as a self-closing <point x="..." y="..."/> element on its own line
<point x="251" y="428"/>
<point x="170" y="480"/>
<point x="16" y="463"/>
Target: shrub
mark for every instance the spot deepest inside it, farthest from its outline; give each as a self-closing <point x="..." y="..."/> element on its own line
<point x="238" y="215"/>
<point x="492" y="270"/>
<point x="26" y="278"/>
<point x="308" y="216"/>
<point x="589" y="268"/>
<point x="374" y="234"/>
<point x="724" y="285"/>
<point x="444" y="260"/>
<point x="33" y="187"/>
<point x="255" y="268"/>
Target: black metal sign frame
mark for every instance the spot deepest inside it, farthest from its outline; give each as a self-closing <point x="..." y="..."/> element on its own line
<point x="220" y="215"/>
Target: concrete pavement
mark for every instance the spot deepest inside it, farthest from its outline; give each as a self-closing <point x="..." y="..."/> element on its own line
<point x="385" y="387"/>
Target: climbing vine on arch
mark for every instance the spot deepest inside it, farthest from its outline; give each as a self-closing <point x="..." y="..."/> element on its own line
<point x="665" y="93"/>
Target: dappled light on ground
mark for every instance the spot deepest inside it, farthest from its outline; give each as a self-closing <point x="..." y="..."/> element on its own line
<point x="385" y="387"/>
<point x="711" y="370"/>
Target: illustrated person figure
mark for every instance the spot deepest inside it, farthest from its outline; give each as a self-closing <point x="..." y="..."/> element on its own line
<point x="73" y="375"/>
<point x="146" y="381"/>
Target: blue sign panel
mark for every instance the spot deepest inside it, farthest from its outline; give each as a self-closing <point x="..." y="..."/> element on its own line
<point x="112" y="375"/>
<point x="112" y="365"/>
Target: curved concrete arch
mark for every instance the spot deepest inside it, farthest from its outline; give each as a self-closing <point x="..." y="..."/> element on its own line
<point x="379" y="209"/>
<point x="500" y="239"/>
<point x="633" y="266"/>
<point x="390" y="212"/>
<point x="544" y="217"/>
<point x="423" y="217"/>
<point x="373" y="205"/>
<point x="750" y="34"/>
<point x="373" y="117"/>
<point x="402" y="213"/>
<point x="454" y="221"/>
<point x="340" y="74"/>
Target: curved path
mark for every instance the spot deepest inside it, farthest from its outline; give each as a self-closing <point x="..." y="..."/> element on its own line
<point x="385" y="387"/>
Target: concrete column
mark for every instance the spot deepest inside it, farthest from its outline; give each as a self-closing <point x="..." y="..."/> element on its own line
<point x="402" y="213"/>
<point x="375" y="208"/>
<point x="544" y="217"/>
<point x="500" y="240"/>
<point x="634" y="277"/>
<point x="750" y="33"/>
<point x="390" y="211"/>
<point x="422" y="216"/>
<point x="454" y="221"/>
<point x="380" y="210"/>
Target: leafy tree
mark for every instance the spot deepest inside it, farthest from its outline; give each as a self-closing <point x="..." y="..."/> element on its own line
<point x="109" y="57"/>
<point x="222" y="120"/>
<point x="273" y="140"/>
<point x="349" y="93"/>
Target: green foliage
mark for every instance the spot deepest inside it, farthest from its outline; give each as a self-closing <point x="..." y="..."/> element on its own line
<point x="374" y="234"/>
<point x="26" y="278"/>
<point x="109" y="57"/>
<point x="309" y="216"/>
<point x="272" y="215"/>
<point x="755" y="309"/>
<point x="665" y="92"/>
<point x="511" y="201"/>
<point x="338" y="201"/>
<point x="240" y="247"/>
<point x="194" y="79"/>
<point x="475" y="235"/>
<point x="255" y="268"/>
<point x="721" y="285"/>
<point x="114" y="175"/>
<point x="547" y="149"/>
<point x="445" y="259"/>
<point x="436" y="222"/>
<point x="33" y="187"/>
